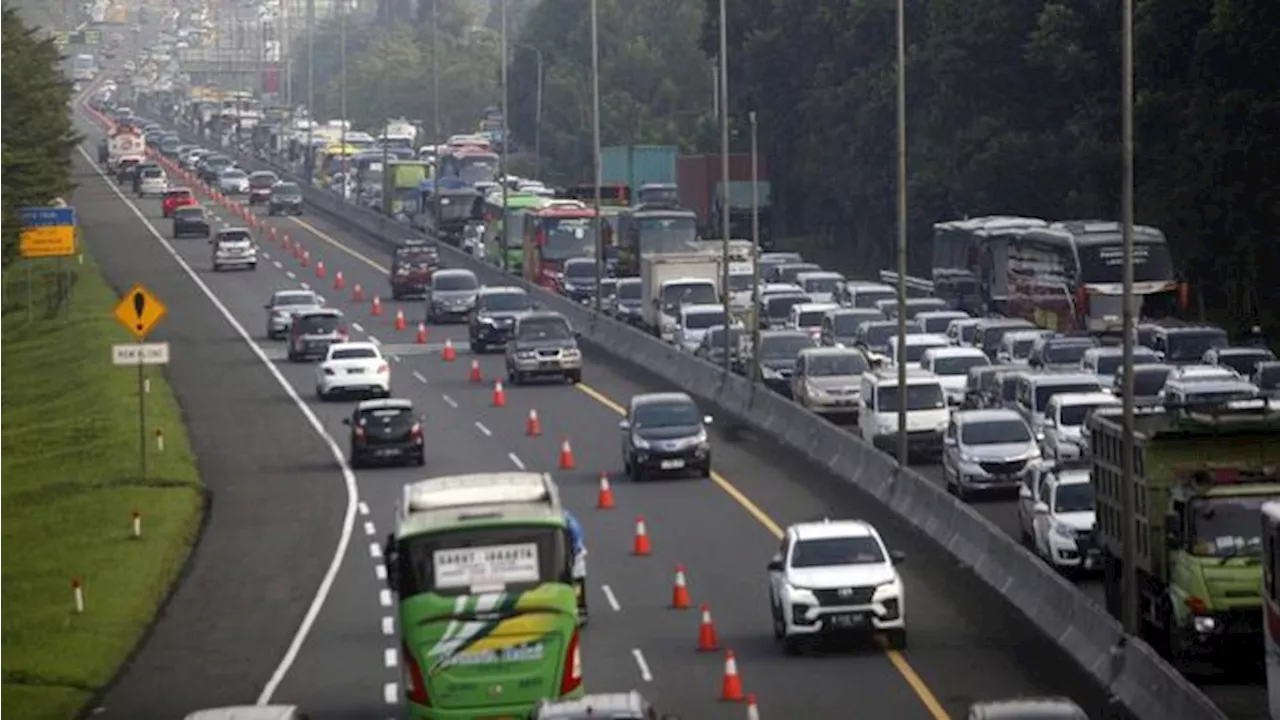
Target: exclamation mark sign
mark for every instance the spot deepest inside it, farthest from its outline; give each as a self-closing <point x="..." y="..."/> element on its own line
<point x="139" y="304"/>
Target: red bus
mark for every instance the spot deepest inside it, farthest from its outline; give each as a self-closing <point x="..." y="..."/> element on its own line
<point x="553" y="235"/>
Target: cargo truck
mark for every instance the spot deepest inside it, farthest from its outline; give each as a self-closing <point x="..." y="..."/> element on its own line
<point x="698" y="178"/>
<point x="1201" y="477"/>
<point x="401" y="183"/>
<point x="125" y="141"/>
<point x="671" y="280"/>
<point x="646" y="172"/>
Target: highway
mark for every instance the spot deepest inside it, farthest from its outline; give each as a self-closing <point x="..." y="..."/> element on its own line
<point x="963" y="647"/>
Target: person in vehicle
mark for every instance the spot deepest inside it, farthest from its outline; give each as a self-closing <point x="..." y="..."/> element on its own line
<point x="578" y="537"/>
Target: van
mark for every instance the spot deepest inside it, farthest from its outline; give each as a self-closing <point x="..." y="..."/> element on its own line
<point x="1035" y="390"/>
<point x="926" y="406"/>
<point x="988" y="333"/>
<point x="866" y="294"/>
<point x="914" y="348"/>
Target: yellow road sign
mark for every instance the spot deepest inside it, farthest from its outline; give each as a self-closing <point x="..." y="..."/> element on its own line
<point x="48" y="241"/>
<point x="139" y="311"/>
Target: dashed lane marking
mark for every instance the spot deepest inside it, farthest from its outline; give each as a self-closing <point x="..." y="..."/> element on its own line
<point x="641" y="663"/>
<point x="613" y="599"/>
<point x="450" y="402"/>
<point x="483" y="430"/>
<point x="515" y="460"/>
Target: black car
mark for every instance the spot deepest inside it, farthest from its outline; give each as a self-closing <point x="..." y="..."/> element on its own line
<point x="412" y="265"/>
<point x="212" y="166"/>
<point x="665" y="433"/>
<point x="779" y="351"/>
<point x="260" y="185"/>
<point x="190" y="221"/>
<point x="578" y="281"/>
<point x="496" y="311"/>
<point x="285" y="199"/>
<point x="385" y="430"/>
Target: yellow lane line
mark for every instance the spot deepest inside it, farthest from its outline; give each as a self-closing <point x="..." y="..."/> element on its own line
<point x="897" y="659"/>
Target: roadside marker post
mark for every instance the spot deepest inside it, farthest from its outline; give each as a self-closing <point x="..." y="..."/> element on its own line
<point x="77" y="595"/>
<point x="137" y="525"/>
<point x="139" y="311"/>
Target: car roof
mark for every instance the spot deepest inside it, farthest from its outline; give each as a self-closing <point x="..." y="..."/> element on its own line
<point x="954" y="314"/>
<point x="982" y="415"/>
<point x="246" y="712"/>
<point x="293" y="291"/>
<point x="1067" y="378"/>
<point x="817" y="275"/>
<point x="705" y="308"/>
<point x="951" y="350"/>
<point x="541" y="315"/>
<point x="1113" y="350"/>
<point x="829" y="350"/>
<point x="176" y="189"/>
<point x="580" y="261"/>
<point x="934" y="339"/>
<point x="353" y="345"/>
<point x="821" y="529"/>
<point x="235" y="230"/>
<point x="503" y="290"/>
<point x="262" y="173"/>
<point x="859" y="285"/>
<point x="766" y="334"/>
<point x="1084" y="398"/>
<point x="385" y="404"/>
<point x="813" y="307"/>
<point x="321" y="311"/>
<point x="1242" y="351"/>
<point x="450" y="272"/>
<point x="1028" y="334"/>
<point x="661" y="398"/>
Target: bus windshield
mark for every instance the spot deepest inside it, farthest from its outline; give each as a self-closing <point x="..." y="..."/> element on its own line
<point x="565" y="238"/>
<point x="473" y="169"/>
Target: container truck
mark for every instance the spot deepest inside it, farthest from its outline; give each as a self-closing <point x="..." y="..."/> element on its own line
<point x="647" y="172"/>
<point x="698" y="178"/>
<point x="125" y="141"/>
<point x="671" y="280"/>
<point x="1201" y="477"/>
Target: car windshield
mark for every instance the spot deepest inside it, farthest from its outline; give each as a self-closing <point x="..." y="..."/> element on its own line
<point x="715" y="339"/>
<point x="551" y="328"/>
<point x="295" y="299"/>
<point x="1147" y="382"/>
<point x="995" y="432"/>
<point x="780" y="307"/>
<point x="580" y="270"/>
<point x="152" y="173"/>
<point x="390" y="418"/>
<point x="286" y="189"/>
<point x="810" y="318"/>
<point x="828" y="552"/>
<point x="958" y="365"/>
<point x="1073" y="497"/>
<point x="234" y="236"/>
<point x="352" y="354"/>
<point x="504" y="302"/>
<point x="878" y="335"/>
<point x="1191" y="345"/>
<point x="317" y="324"/>
<point x="1269" y="377"/>
<point x="703" y="320"/>
<point x="740" y="282"/>
<point x="1020" y="348"/>
<point x="189" y="213"/>
<point x="846" y="324"/>
<point x="1245" y="362"/>
<point x="629" y="290"/>
<point x="1108" y="364"/>
<point x="821" y="285"/>
<point x="915" y="351"/>
<point x="1227" y="526"/>
<point x="178" y="194"/>
<point x="1046" y="391"/>
<point x="924" y="396"/>
<point x="233" y="175"/>
<point x="935" y="324"/>
<point x="836" y="364"/>
<point x="1067" y="353"/>
<point x="262" y="182"/>
<point x="1074" y="415"/>
<point x="666" y="414"/>
<point x="783" y="347"/>
<point x="673" y="296"/>
<point x="454" y="281"/>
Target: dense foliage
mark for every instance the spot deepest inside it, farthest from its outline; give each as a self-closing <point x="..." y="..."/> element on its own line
<point x="36" y="137"/>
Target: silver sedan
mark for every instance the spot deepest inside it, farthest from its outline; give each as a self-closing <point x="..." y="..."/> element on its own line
<point x="284" y="305"/>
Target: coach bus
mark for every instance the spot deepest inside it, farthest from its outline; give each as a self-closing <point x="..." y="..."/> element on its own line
<point x="1271" y="601"/>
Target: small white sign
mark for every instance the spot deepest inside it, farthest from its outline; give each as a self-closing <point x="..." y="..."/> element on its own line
<point x="140" y="354"/>
<point x="486" y="569"/>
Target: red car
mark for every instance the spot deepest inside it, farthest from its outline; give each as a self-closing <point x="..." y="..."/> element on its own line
<point x="175" y="198"/>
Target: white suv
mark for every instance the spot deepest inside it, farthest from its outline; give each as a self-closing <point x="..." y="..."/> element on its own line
<point x="233" y="247"/>
<point x="836" y="577"/>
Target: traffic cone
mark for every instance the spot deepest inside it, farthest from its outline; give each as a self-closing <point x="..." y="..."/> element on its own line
<point x="287" y="243"/>
<point x="421" y="339"/>
<point x="641" y="547"/>
<point x="533" y="427"/>
<point x="306" y="258"/>
<point x="731" y="688"/>
<point x="339" y="282"/>
<point x="605" y="500"/>
<point x="680" y="592"/>
<point x="321" y="272"/>
<point x="376" y="309"/>
<point x="357" y="293"/>
<point x="297" y="251"/>
<point x="499" y="395"/>
<point x="448" y="354"/>
<point x="272" y="234"/>
<point x="475" y="377"/>
<point x="707" y="640"/>
<point x="566" y="455"/>
<point x="753" y="712"/>
<point x="400" y="323"/>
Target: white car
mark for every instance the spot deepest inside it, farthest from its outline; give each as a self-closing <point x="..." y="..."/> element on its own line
<point x="153" y="182"/>
<point x="353" y="367"/>
<point x="693" y="323"/>
<point x="1057" y="517"/>
<point x="232" y="248"/>
<point x="233" y="182"/>
<point x="836" y="577"/>
<point x="951" y="364"/>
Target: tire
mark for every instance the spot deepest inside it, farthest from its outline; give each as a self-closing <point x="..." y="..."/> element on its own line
<point x="896" y="639"/>
<point x="705" y="471"/>
<point x="574" y="377"/>
<point x="357" y="460"/>
<point x="635" y="473"/>
<point x="320" y="394"/>
<point x="420" y="459"/>
<point x="779" y="625"/>
<point x="792" y="645"/>
<point x="517" y="378"/>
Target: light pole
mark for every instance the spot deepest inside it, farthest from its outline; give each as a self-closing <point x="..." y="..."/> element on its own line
<point x="308" y="158"/>
<point x="537" y="114"/>
<point x="1129" y="574"/>
<point x="342" y="86"/>
<point x="595" y="145"/>
<point x="505" y="139"/>
<point x="435" y="111"/>
<point x="755" y="243"/>
<point x="901" y="354"/>
<point x="723" y="61"/>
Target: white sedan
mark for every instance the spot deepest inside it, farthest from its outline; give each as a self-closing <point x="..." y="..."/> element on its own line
<point x="353" y="368"/>
<point x="233" y="182"/>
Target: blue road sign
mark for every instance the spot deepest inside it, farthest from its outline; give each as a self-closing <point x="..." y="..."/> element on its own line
<point x="47" y="216"/>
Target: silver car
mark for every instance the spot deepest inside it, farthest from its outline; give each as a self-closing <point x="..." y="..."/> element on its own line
<point x="284" y="304"/>
<point x="986" y="451"/>
<point x="827" y="380"/>
<point x="451" y="295"/>
<point x="233" y="182"/>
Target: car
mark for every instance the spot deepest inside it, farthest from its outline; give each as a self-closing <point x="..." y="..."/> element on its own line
<point x="615" y="706"/>
<point x="692" y="322"/>
<point x="1105" y="361"/>
<point x="353" y="368"/>
<point x="1064" y="421"/>
<point x="496" y="311"/>
<point x="284" y="305"/>
<point x="987" y="451"/>
<point x="628" y="302"/>
<point x="233" y="247"/>
<point x="836" y="577"/>
<point x="1015" y="346"/>
<point x="1243" y="360"/>
<point x="191" y="160"/>
<point x="1267" y="378"/>
<point x="779" y="352"/>
<point x="176" y="197"/>
<point x="260" y="184"/>
<point x="712" y="346"/>
<point x="952" y="365"/>
<point x="191" y="221"/>
<point x="1148" y="383"/>
<point x="665" y="433"/>
<point x="385" y="429"/>
<point x="212" y="165"/>
<point x="313" y="331"/>
<point x="542" y="344"/>
<point x="1058" y="352"/>
<point x="285" y="199"/>
<point x="840" y="326"/>
<point x="249" y="712"/>
<point x="938" y="321"/>
<point x="827" y="381"/>
<point x="412" y="264"/>
<point x="873" y="336"/>
<point x="1057" y="518"/>
<point x="233" y="181"/>
<point x="150" y="180"/>
<point x="578" y="279"/>
<point x="451" y="295"/>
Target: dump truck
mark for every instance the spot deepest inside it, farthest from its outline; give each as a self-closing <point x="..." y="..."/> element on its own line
<point x="1200" y="479"/>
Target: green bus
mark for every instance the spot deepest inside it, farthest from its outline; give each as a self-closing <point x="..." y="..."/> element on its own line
<point x="488" y="611"/>
<point x="504" y="227"/>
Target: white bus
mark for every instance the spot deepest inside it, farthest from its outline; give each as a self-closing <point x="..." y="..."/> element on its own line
<point x="84" y="67"/>
<point x="1271" y="601"/>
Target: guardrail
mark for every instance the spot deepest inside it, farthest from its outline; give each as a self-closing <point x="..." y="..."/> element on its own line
<point x="1134" y="674"/>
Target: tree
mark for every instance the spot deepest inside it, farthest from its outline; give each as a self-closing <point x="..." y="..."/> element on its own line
<point x="36" y="137"/>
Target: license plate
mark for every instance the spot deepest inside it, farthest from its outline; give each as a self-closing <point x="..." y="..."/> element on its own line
<point x="356" y="371"/>
<point x="549" y="364"/>
<point x="387" y="452"/>
<point x="672" y="464"/>
<point x="851" y="620"/>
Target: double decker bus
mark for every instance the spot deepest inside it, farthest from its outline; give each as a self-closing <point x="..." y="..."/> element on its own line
<point x="554" y="234"/>
<point x="1271" y="601"/>
<point x="469" y="163"/>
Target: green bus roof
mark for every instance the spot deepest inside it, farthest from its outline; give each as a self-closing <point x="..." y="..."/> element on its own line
<point x="479" y="500"/>
<point x="517" y="201"/>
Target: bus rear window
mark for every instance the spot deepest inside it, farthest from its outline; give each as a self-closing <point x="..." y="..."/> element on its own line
<point x="477" y="560"/>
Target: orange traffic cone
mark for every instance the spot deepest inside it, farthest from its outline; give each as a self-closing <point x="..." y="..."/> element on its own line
<point x="400" y="323"/>
<point x="731" y="689"/>
<point x="680" y="592"/>
<point x="287" y="243"/>
<point x="641" y="545"/>
<point x="499" y="395"/>
<point x="707" y="640"/>
<point x="306" y="258"/>
<point x="297" y="251"/>
<point x="421" y="339"/>
<point x="566" y="455"/>
<point x="357" y="293"/>
<point x="605" y="500"/>
<point x="448" y="354"/>
<point x="533" y="428"/>
<point x="475" y="377"/>
<point x="753" y="712"/>
<point x="339" y="282"/>
<point x="321" y="272"/>
<point x="376" y="309"/>
<point x="273" y="235"/>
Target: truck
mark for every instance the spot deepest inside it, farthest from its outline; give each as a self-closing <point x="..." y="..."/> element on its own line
<point x="1201" y="476"/>
<point x="698" y="179"/>
<point x="125" y="141"/>
<point x="401" y="180"/>
<point x="646" y="172"/>
<point x="670" y="280"/>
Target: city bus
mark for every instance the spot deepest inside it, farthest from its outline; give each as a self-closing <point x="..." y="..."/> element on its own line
<point x="469" y="163"/>
<point x="84" y="67"/>
<point x="1271" y="601"/>
<point x="554" y="234"/>
<point x="504" y="227"/>
<point x="482" y="565"/>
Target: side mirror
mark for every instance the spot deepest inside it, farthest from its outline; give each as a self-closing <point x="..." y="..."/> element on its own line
<point x="267" y="306"/>
<point x="707" y="420"/>
<point x="1024" y="492"/>
<point x="775" y="564"/>
<point x="949" y="441"/>
<point x="897" y="557"/>
<point x="346" y="421"/>
<point x="391" y="558"/>
<point x="624" y="424"/>
<point x="1173" y="530"/>
<point x="577" y="334"/>
<point x="1160" y="356"/>
<point x="1041" y="508"/>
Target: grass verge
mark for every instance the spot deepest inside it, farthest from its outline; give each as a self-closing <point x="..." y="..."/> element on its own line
<point x="69" y="440"/>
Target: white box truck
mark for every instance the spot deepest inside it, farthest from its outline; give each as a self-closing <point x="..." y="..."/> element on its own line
<point x="670" y="280"/>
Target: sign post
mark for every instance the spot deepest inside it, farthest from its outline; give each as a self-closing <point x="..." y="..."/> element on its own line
<point x="46" y="232"/>
<point x="139" y="311"/>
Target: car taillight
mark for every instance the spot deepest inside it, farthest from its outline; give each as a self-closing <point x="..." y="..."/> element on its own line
<point x="342" y="333"/>
<point x="416" y="689"/>
<point x="572" y="678"/>
<point x="359" y="433"/>
<point x="416" y="431"/>
<point x="382" y="369"/>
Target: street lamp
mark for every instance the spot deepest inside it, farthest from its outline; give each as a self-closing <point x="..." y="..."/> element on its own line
<point x="1129" y="573"/>
<point x="723" y="61"/>
<point x="595" y="146"/>
<point x="901" y="354"/>
<point x="342" y="32"/>
<point x="755" y="250"/>
<point x="308" y="158"/>
<point x="537" y="113"/>
<point x="505" y="139"/>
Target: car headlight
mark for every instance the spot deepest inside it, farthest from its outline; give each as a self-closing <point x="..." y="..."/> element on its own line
<point x="639" y="442"/>
<point x="525" y="354"/>
<point x="816" y="391"/>
<point x="328" y="371"/>
<point x="769" y="373"/>
<point x="572" y="353"/>
<point x="1063" y="532"/>
<point x="967" y="458"/>
<point x="485" y="320"/>
<point x="700" y="438"/>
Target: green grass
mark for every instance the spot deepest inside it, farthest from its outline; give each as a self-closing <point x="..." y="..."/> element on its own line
<point x="69" y="438"/>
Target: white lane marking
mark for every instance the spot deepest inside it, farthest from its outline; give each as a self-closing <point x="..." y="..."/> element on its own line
<point x="364" y="508"/>
<point x="483" y="430"/>
<point x="645" y="675"/>
<point x="375" y="550"/>
<point x="348" y="477"/>
<point x="321" y="299"/>
<point x="384" y="598"/>
<point x="394" y="357"/>
<point x="389" y="657"/>
<point x="613" y="599"/>
<point x="374" y="340"/>
<point x="289" y="274"/>
<point x="388" y="625"/>
<point x="266" y="254"/>
<point x="419" y="376"/>
<point x="515" y="459"/>
<point x="279" y="265"/>
<point x="391" y="693"/>
<point x="368" y="528"/>
<point x="357" y="327"/>
<point x="304" y="286"/>
<point x="380" y="572"/>
<point x="451" y="402"/>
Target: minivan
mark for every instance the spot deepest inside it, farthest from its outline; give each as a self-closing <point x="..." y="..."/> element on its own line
<point x="926" y="406"/>
<point x="1035" y="390"/>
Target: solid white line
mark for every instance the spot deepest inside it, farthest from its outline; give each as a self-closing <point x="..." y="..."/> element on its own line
<point x="375" y="550"/>
<point x="357" y="327"/>
<point x="645" y="675"/>
<point x="451" y="402"/>
<point x="389" y="657"/>
<point x="516" y="460"/>
<point x="304" y="286"/>
<point x="289" y="274"/>
<point x="388" y="625"/>
<point x="391" y="693"/>
<point x="380" y="572"/>
<point x="364" y="508"/>
<point x="483" y="430"/>
<point x="374" y="340"/>
<point x="368" y="528"/>
<point x="419" y="376"/>
<point x="384" y="598"/>
<point x="348" y="477"/>
<point x="613" y="599"/>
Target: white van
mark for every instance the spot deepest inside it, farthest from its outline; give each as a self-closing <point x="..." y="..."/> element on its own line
<point x="1035" y="390"/>
<point x="951" y="364"/>
<point x="866" y="294"/>
<point x="915" y="347"/>
<point x="821" y="285"/>
<point x="807" y="317"/>
<point x="926" y="405"/>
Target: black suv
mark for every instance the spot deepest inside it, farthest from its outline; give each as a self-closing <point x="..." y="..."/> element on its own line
<point x="496" y="311"/>
<point x="412" y="264"/>
<point x="385" y="430"/>
<point x="285" y="199"/>
<point x="190" y="221"/>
